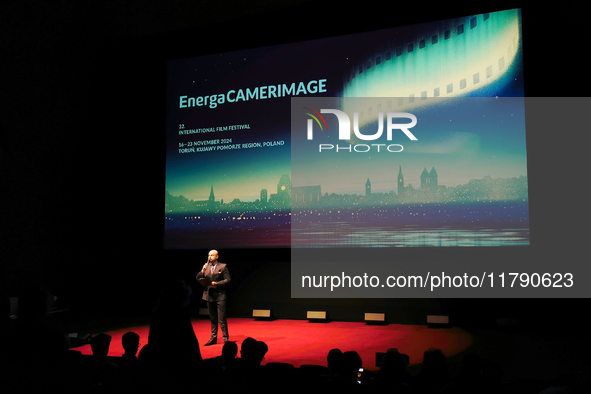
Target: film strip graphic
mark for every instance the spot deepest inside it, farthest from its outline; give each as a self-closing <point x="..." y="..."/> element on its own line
<point x="452" y="59"/>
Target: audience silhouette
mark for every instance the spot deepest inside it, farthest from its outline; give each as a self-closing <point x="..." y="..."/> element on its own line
<point x="226" y="360"/>
<point x="393" y="375"/>
<point x="434" y="375"/>
<point x="100" y="345"/>
<point x="171" y="361"/>
<point x="131" y="343"/>
<point x="171" y="338"/>
<point x="349" y="378"/>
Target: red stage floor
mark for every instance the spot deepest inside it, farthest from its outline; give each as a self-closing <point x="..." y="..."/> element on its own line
<point x="300" y="342"/>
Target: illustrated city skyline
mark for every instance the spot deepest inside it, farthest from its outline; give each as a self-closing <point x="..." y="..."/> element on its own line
<point x="428" y="190"/>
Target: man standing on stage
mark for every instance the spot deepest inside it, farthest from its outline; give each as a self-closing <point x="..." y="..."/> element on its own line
<point x="214" y="276"/>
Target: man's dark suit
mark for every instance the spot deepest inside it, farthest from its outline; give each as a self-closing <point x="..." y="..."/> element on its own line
<point x="216" y="297"/>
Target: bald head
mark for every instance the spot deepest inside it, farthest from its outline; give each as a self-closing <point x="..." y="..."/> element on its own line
<point x="212" y="256"/>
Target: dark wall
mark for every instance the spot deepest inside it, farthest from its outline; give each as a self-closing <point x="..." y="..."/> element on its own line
<point x="82" y="156"/>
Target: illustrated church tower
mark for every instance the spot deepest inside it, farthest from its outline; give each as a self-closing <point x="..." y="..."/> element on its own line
<point x="284" y="185"/>
<point x="400" y="182"/>
<point x="367" y="187"/>
<point x="429" y="179"/>
<point x="211" y="195"/>
<point x="284" y="190"/>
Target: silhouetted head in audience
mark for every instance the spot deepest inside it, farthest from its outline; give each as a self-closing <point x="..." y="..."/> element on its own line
<point x="406" y="359"/>
<point x="263" y="349"/>
<point x="249" y="351"/>
<point x="131" y="342"/>
<point x="351" y="362"/>
<point x="100" y="344"/>
<point x="394" y="362"/>
<point x="334" y="359"/>
<point x="434" y="364"/>
<point x="145" y="355"/>
<point x="230" y="350"/>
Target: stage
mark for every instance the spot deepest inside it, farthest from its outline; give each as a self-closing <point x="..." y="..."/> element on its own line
<point x="524" y="354"/>
<point x="300" y="342"/>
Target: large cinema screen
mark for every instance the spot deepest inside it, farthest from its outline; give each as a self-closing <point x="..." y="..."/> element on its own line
<point x="240" y="175"/>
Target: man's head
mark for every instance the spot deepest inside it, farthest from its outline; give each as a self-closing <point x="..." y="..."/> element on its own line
<point x="212" y="256"/>
<point x="230" y="350"/>
<point x="131" y="342"/>
<point x="100" y="344"/>
<point x="249" y="351"/>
